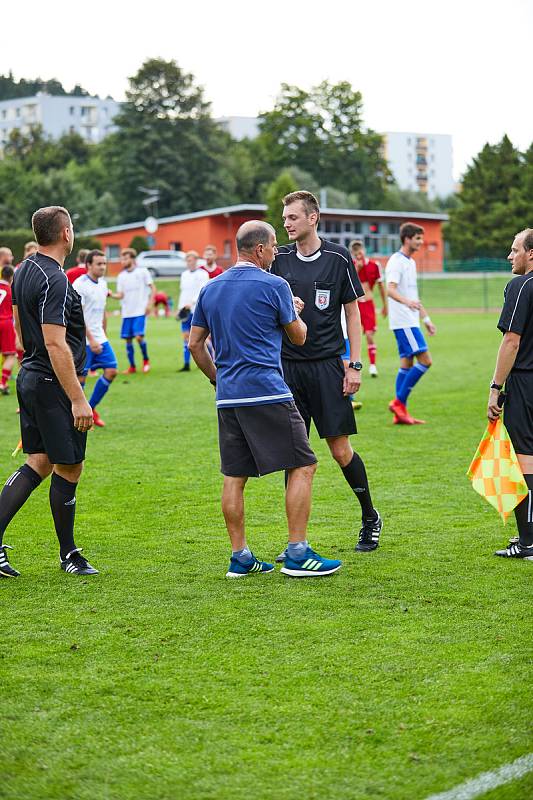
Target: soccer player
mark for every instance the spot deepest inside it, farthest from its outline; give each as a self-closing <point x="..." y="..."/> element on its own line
<point x="211" y="266"/>
<point x="6" y="257"/>
<point x="260" y="429"/>
<point x="323" y="276"/>
<point x="135" y="290"/>
<point x="54" y="414"/>
<point x="405" y="310"/>
<point x="92" y="288"/>
<point x="81" y="267"/>
<point x="29" y="249"/>
<point x="369" y="273"/>
<point x="514" y="368"/>
<point x="8" y="338"/>
<point x="191" y="282"/>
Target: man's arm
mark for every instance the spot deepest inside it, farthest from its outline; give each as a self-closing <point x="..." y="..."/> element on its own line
<point x="414" y="305"/>
<point x="17" y="325"/>
<point x="63" y="365"/>
<point x="150" y="303"/>
<point x="95" y="346"/>
<point x="352" y="377"/>
<point x="383" y="298"/>
<point x="200" y="353"/>
<point x="296" y="331"/>
<point x="504" y="364"/>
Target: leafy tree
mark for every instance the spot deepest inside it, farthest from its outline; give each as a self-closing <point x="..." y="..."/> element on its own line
<point x="275" y="192"/>
<point x="140" y="244"/>
<point x="11" y="88"/>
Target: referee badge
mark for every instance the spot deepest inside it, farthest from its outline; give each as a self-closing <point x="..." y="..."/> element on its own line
<point x="322" y="299"/>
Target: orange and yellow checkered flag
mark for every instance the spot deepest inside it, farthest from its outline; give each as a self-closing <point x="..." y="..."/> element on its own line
<point x="495" y="472"/>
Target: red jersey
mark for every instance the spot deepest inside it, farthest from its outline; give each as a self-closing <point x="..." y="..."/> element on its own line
<point x="6" y="303"/>
<point x="370" y="273"/>
<point x="75" y="272"/>
<point x="213" y="272"/>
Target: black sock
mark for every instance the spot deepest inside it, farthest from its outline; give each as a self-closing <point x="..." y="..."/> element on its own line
<point x="524" y="515"/>
<point x="16" y="491"/>
<point x="355" y="474"/>
<point x="63" y="505"/>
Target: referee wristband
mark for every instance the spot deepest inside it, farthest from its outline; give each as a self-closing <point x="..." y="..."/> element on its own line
<point x="426" y="320"/>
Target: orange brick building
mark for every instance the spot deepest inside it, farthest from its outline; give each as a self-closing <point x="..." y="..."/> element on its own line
<point x="218" y="226"/>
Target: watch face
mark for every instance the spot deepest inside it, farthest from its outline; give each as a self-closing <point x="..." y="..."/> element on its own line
<point x="356" y="365"/>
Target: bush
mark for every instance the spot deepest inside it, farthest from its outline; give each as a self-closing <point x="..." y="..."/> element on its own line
<point x="140" y="243"/>
<point x="16" y="239"/>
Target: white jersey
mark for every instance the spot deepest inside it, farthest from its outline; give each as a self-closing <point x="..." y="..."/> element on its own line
<point x="190" y="285"/>
<point x="93" y="299"/>
<point x="401" y="270"/>
<point x="135" y="285"/>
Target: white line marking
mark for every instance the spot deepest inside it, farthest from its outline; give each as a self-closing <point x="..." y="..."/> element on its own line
<point x="487" y="781"/>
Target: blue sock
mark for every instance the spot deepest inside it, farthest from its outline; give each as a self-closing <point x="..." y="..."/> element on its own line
<point x="100" y="388"/>
<point x="186" y="354"/>
<point x="400" y="377"/>
<point x="131" y="355"/>
<point x="297" y="550"/>
<point x="243" y="556"/>
<point x="144" y="349"/>
<point x="410" y="381"/>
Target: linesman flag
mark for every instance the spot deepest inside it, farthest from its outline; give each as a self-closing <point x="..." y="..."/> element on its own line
<point x="495" y="472"/>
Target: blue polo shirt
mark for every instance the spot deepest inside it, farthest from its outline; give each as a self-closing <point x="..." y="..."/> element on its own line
<point x="245" y="309"/>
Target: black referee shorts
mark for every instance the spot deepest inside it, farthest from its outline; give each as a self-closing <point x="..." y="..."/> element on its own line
<point x="257" y="440"/>
<point x="46" y="421"/>
<point x="317" y="390"/>
<point x="518" y="411"/>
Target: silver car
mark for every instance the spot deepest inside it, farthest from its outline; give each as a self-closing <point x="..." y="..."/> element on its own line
<point x="162" y="263"/>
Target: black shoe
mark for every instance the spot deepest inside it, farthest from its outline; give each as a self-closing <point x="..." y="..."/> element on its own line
<point x="76" y="564"/>
<point x="6" y="570"/>
<point x="516" y="550"/>
<point x="4" y="390"/>
<point x="369" y="534"/>
<point x="185" y="368"/>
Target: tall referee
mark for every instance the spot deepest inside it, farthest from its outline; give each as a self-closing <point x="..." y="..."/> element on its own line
<point x="54" y="414"/>
<point x="323" y="276"/>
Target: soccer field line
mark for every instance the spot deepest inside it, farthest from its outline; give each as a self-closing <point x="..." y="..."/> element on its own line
<point x="486" y="781"/>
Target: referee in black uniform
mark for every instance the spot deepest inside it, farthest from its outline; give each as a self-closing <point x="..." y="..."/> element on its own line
<point x="322" y="275"/>
<point x="54" y="414"/>
<point x="514" y="368"/>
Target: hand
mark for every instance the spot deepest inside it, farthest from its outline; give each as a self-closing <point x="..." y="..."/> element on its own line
<point x="414" y="305"/>
<point x="96" y="347"/>
<point x="148" y="310"/>
<point x="493" y="409"/>
<point x="352" y="381"/>
<point x="299" y="304"/>
<point x="431" y="329"/>
<point x="83" y="415"/>
<point x="384" y="311"/>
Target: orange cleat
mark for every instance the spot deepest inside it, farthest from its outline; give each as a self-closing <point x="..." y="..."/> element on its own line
<point x="146" y="366"/>
<point x="98" y="421"/>
<point x="130" y="371"/>
<point x="400" y="411"/>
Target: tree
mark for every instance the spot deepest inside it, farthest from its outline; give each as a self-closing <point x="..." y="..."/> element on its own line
<point x="493" y="204"/>
<point x="274" y="194"/>
<point x="140" y="244"/>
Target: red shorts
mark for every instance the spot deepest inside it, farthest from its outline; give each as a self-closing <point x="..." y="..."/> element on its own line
<point x="7" y="337"/>
<point x="367" y="309"/>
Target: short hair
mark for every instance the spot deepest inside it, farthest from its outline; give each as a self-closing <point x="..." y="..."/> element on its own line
<point x="30" y="246"/>
<point x="129" y="251"/>
<point x="260" y="233"/>
<point x="308" y="199"/>
<point x="408" y="230"/>
<point x="91" y="254"/>
<point x="192" y="253"/>
<point x="5" y="250"/>
<point x="48" y="222"/>
<point x="7" y="272"/>
<point x="527" y="241"/>
<point x="81" y="255"/>
<point x="357" y="244"/>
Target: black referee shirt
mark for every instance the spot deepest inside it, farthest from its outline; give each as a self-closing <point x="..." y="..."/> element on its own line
<point x="43" y="295"/>
<point x="517" y="317"/>
<point x="325" y="281"/>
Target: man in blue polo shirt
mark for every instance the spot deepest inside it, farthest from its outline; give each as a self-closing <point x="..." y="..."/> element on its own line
<point x="245" y="311"/>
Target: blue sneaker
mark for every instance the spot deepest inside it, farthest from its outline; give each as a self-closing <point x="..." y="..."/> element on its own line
<point x="310" y="566"/>
<point x="255" y="567"/>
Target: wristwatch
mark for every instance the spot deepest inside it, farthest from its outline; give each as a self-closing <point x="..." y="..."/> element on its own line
<point x="496" y="386"/>
<point x="355" y="365"/>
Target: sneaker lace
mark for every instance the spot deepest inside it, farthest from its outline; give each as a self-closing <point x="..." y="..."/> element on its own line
<point x="367" y="529"/>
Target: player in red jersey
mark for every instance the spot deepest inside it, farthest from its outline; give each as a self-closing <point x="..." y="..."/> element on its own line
<point x="8" y="338"/>
<point x="211" y="266"/>
<point x="369" y="273"/>
<point x="81" y="267"/>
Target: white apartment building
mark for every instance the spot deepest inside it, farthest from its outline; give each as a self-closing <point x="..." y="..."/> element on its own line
<point x="421" y="161"/>
<point x="89" y="116"/>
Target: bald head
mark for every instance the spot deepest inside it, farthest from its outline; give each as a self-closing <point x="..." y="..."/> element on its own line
<point x="252" y="233"/>
<point x="6" y="256"/>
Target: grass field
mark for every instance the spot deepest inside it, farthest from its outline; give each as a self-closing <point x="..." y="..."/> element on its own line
<point x="401" y="676"/>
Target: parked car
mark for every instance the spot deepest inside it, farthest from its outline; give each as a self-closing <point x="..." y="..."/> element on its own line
<point x="162" y="263"/>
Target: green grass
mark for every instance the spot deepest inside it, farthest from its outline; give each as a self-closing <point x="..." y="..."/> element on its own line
<point x="403" y="675"/>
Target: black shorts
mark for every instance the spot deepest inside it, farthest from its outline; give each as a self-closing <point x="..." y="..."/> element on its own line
<point x="518" y="411"/>
<point x="257" y="440"/>
<point x="317" y="390"/>
<point x="46" y="421"/>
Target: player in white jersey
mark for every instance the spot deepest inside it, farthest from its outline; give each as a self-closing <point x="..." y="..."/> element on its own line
<point x="405" y="309"/>
<point x="92" y="288"/>
<point x="135" y="290"/>
<point x="191" y="282"/>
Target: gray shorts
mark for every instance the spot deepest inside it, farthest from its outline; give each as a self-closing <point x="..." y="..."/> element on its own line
<point x="257" y="440"/>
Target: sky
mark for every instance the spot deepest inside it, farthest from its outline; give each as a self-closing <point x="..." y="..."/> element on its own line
<point x="457" y="67"/>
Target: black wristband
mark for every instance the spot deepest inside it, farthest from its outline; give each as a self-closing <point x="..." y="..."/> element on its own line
<point x="496" y="386"/>
<point x="213" y="383"/>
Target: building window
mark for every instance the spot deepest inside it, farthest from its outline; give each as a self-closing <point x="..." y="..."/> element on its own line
<point x="176" y="246"/>
<point x="112" y="252"/>
<point x="17" y="112"/>
<point x="227" y="248"/>
<point x="72" y="111"/>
